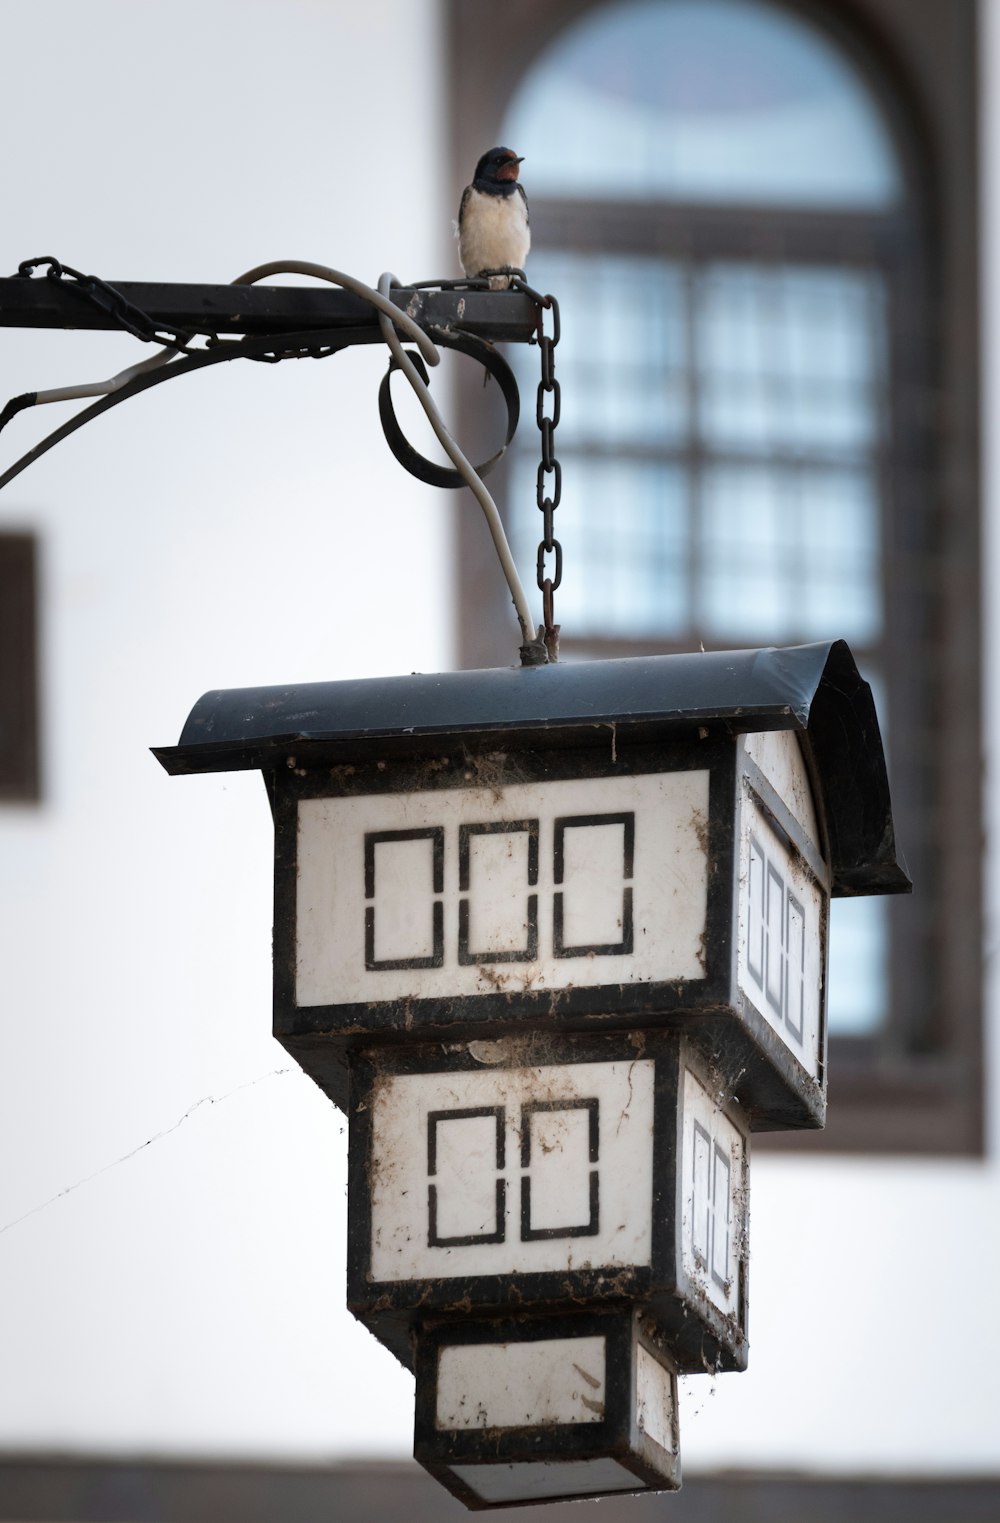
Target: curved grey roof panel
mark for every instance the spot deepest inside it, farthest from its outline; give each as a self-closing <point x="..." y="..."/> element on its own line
<point x="814" y="689"/>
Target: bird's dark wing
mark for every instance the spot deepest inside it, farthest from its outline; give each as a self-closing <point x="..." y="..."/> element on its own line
<point x="524" y="198"/>
<point x="467" y="192"/>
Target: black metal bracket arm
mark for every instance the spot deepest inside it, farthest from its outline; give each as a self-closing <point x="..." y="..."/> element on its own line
<point x="259" y="310"/>
<point x="257" y="321"/>
<point x="254" y="320"/>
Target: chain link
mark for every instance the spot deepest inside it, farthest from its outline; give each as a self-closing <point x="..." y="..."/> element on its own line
<point x="548" y="493"/>
<point x="549" y="396"/>
<point x="107" y="299"/>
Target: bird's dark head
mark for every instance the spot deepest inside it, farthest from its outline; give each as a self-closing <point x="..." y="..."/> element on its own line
<point x="497" y="169"/>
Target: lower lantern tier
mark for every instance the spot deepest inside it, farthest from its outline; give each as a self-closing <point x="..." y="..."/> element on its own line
<point x="546" y="1408"/>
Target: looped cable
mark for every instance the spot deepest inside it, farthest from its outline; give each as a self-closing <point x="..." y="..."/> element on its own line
<point x="533" y="652"/>
<point x="378" y="300"/>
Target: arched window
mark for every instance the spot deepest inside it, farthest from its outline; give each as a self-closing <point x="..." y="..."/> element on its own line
<point x="726" y="410"/>
<point x="707" y="101"/>
<point x="740" y="206"/>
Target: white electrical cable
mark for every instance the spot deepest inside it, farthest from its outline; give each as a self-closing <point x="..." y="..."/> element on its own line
<point x="390" y="317"/>
<point x="350" y="283"/>
<point x="104" y="388"/>
<point x="472" y="478"/>
<point x="275" y="267"/>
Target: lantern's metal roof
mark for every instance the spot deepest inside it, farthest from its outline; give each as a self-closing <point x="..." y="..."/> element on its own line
<point x="814" y="689"/>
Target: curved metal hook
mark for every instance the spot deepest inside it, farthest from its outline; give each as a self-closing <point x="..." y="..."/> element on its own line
<point x="411" y="459"/>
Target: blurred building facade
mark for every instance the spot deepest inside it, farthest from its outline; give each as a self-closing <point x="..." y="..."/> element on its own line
<point x="771" y="226"/>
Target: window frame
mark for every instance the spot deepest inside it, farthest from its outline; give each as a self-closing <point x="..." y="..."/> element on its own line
<point x="696" y="236"/>
<point x="916" y="1087"/>
<point x="19" y="759"/>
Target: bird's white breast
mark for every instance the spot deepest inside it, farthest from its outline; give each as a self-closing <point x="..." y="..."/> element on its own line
<point x="494" y="233"/>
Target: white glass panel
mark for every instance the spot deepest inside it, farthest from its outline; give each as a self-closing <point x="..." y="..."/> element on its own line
<point x="667" y="898"/>
<point x="755" y="914"/>
<point x="403" y="903"/>
<point x="497" y="904"/>
<point x="655" y="1400"/>
<point x="721" y="1197"/>
<point x="774" y="974"/>
<point x="559" y="1169"/>
<point x="464" y="1176"/>
<point x="786" y="880"/>
<point x="541" y="1241"/>
<point x="713" y="1161"/>
<point x="701" y="1217"/>
<point x="593" y="883"/>
<point x="795" y="967"/>
<point x="702" y="100"/>
<point x="537" y="1384"/>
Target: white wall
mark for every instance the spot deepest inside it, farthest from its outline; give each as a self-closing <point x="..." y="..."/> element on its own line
<point x="249" y="526"/>
<point x="244" y="525"/>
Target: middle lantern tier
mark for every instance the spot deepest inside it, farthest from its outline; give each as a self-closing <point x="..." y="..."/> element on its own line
<point x="547" y="1173"/>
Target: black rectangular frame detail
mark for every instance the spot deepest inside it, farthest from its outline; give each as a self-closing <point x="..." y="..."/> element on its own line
<point x="797" y="1031"/>
<point x="561" y="824"/>
<point x="589" y="1228"/>
<point x="719" y="1156"/>
<point x="707" y="1255"/>
<point x="529" y="952"/>
<point x="465" y="1113"/>
<point x="791" y="836"/>
<point x="373" y="838"/>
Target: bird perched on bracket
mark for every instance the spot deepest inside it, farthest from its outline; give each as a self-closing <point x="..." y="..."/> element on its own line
<point x="493" y="218"/>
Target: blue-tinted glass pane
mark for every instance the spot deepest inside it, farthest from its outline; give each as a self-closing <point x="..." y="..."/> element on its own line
<point x="788" y="553"/>
<point x="780" y="534"/>
<point x="743" y="584"/>
<point x="789" y="359"/>
<point x="624" y="531"/>
<point x="839" y="572"/>
<point x="859" y="973"/>
<point x="621" y="360"/>
<point x="702" y="100"/>
<point x="859" y="933"/>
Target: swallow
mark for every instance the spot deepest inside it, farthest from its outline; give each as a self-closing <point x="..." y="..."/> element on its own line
<point x="493" y="218"/>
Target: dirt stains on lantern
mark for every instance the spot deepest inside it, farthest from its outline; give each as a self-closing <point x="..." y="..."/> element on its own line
<point x="556" y="984"/>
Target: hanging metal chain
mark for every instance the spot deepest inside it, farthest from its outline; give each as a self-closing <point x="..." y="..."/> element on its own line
<point x="99" y="294"/>
<point x="548" y="494"/>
